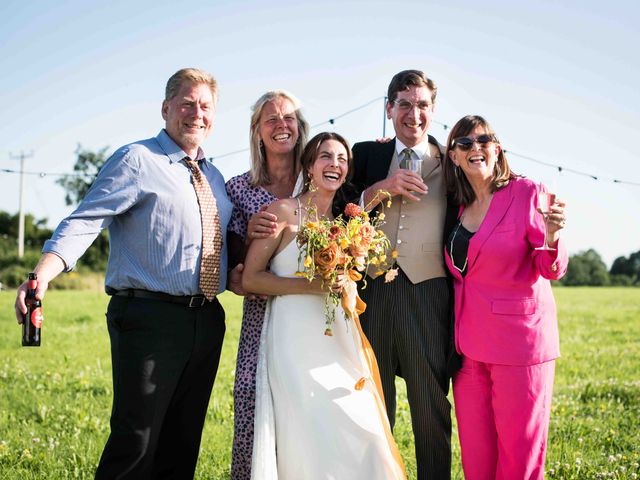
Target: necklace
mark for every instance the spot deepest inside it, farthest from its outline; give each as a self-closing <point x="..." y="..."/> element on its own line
<point x="453" y="237"/>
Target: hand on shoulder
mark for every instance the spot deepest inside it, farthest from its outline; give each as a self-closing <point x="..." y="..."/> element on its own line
<point x="262" y="224"/>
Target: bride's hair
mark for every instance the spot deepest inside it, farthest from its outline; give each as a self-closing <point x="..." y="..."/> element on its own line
<point x="310" y="153"/>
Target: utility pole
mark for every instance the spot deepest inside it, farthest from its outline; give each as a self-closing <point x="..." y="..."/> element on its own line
<point x="21" y="157"/>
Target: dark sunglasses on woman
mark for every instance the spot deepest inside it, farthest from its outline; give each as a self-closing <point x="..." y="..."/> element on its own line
<point x="465" y="143"/>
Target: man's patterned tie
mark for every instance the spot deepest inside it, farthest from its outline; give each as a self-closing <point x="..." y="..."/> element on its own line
<point x="211" y="232"/>
<point x="406" y="156"/>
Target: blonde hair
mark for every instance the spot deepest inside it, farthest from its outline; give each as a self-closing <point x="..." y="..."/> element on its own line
<point x="192" y="75"/>
<point x="258" y="174"/>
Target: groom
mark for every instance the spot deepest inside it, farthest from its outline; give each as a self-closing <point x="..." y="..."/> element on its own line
<point x="408" y="321"/>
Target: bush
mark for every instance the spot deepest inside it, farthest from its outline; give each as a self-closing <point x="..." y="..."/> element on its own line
<point x="12" y="276"/>
<point x="27" y="262"/>
<point x="78" y="280"/>
<point x="629" y="266"/>
<point x="14" y="270"/>
<point x="586" y="268"/>
<point x="621" y="280"/>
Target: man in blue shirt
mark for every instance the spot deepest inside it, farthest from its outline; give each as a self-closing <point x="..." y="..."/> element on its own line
<point x="166" y="336"/>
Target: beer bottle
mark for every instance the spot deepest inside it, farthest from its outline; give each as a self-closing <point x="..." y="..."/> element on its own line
<point x="32" y="321"/>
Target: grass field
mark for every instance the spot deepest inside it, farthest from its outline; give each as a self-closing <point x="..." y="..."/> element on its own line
<point x="56" y="399"/>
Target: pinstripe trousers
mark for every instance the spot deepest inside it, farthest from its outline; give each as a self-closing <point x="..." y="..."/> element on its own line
<point x="408" y="327"/>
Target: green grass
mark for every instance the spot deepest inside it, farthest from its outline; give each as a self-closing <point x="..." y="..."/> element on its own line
<point x="56" y="399"/>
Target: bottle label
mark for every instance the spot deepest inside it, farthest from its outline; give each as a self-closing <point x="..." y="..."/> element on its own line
<point x="36" y="317"/>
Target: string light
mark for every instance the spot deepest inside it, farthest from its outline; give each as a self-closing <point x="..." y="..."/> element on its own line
<point x="332" y="121"/>
<point x="47" y="174"/>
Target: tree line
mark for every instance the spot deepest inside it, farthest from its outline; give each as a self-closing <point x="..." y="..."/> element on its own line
<point x="13" y="270"/>
<point x="585" y="268"/>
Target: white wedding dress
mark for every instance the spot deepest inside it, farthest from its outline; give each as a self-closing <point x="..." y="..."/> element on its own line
<point x="307" y="407"/>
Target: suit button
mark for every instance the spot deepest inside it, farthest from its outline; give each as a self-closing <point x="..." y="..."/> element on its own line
<point x="404" y="202"/>
<point x="403" y="215"/>
<point x="401" y="227"/>
<point x="398" y="241"/>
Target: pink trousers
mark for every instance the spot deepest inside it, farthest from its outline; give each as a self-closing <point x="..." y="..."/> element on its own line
<point x="503" y="419"/>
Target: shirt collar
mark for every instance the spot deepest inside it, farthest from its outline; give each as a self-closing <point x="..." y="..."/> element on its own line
<point x="174" y="152"/>
<point x="419" y="151"/>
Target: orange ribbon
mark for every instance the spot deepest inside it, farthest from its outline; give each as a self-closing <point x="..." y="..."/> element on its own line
<point x="353" y="306"/>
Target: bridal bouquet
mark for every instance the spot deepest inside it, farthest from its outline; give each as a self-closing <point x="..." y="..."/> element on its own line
<point x="338" y="251"/>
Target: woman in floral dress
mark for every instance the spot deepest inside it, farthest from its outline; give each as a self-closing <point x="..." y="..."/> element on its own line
<point x="278" y="135"/>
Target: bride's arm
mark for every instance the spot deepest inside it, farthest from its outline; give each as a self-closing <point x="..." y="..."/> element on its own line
<point x="256" y="278"/>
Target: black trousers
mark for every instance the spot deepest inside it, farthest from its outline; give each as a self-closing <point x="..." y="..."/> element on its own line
<point x="165" y="357"/>
<point x="409" y="329"/>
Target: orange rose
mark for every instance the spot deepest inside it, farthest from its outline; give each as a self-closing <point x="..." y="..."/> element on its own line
<point x="367" y="232"/>
<point x="358" y="250"/>
<point x="328" y="258"/>
<point x="359" y="253"/>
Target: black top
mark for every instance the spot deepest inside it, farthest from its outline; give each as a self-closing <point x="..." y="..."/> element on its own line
<point x="458" y="242"/>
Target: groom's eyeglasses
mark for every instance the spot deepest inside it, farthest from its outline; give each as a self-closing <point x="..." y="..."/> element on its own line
<point x="405" y="105"/>
<point x="465" y="143"/>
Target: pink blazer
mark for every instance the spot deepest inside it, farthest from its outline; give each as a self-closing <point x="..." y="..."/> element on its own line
<point x="504" y="308"/>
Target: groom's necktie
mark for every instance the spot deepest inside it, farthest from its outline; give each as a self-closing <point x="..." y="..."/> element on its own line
<point x="406" y="156"/>
<point x="211" y="232"/>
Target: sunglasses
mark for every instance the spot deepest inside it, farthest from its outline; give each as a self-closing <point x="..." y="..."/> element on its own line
<point x="466" y="143"/>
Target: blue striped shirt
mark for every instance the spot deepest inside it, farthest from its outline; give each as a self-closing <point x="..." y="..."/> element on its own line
<point x="144" y="196"/>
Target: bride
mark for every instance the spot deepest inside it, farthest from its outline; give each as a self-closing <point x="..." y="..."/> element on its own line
<point x="307" y="406"/>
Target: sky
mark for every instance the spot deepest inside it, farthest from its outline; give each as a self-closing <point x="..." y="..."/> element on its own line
<point x="557" y="80"/>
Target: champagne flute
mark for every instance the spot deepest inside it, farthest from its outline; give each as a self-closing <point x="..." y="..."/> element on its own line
<point x="545" y="200"/>
<point x="415" y="165"/>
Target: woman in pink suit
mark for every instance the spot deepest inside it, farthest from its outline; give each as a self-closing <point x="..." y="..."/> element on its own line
<point x="505" y="315"/>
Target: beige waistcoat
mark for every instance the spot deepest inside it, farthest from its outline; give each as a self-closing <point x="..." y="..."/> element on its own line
<point x="415" y="228"/>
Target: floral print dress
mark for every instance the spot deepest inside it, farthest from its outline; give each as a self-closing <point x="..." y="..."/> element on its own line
<point x="246" y="200"/>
